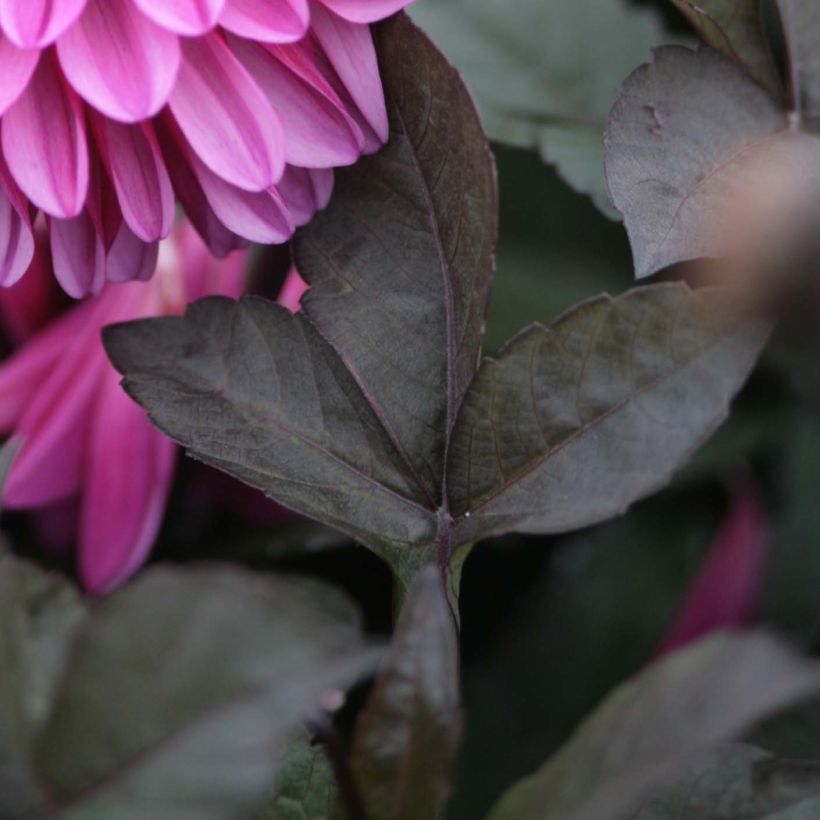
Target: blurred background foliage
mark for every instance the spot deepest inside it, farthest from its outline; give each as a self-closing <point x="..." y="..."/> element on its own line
<point x="550" y="625"/>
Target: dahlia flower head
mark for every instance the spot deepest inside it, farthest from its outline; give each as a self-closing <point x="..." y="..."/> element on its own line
<point x="112" y="111"/>
<point x="91" y="468"/>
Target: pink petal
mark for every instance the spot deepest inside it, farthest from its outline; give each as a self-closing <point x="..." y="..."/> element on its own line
<point x="119" y="61"/>
<point x="130" y="258"/>
<point x="225" y="116"/>
<point x="260" y="216"/>
<point x="78" y="255"/>
<point x="189" y="192"/>
<point x="44" y="143"/>
<point x="318" y="132"/>
<point x="292" y="291"/>
<point x="134" y="162"/>
<point x="18" y="66"/>
<point x="36" y="23"/>
<point x="24" y="372"/>
<point x="726" y="593"/>
<point x="56" y="422"/>
<point x="283" y="21"/>
<point x="16" y="236"/>
<point x="122" y="509"/>
<point x="188" y="17"/>
<point x="351" y="52"/>
<point x="365" y="11"/>
<point x="305" y="191"/>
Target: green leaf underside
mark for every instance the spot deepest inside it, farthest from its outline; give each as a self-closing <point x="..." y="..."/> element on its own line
<point x="368" y="411"/>
<point x="685" y="143"/>
<point x="734" y="27"/>
<point x="406" y="737"/>
<point x="653" y="727"/>
<point x="801" y="27"/>
<point x="181" y="720"/>
<point x="737" y="782"/>
<point x="305" y="786"/>
<point x="530" y="65"/>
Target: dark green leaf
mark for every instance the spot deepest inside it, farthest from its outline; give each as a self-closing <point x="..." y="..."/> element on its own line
<point x="801" y="26"/>
<point x="573" y="423"/>
<point x="406" y="737"/>
<point x="175" y="693"/>
<point x="734" y="27"/>
<point x="545" y="74"/>
<point x="342" y="412"/>
<point x="735" y="782"/>
<point x="305" y="788"/>
<point x="39" y="614"/>
<point x="680" y="172"/>
<point x="654" y="726"/>
<point x="347" y="411"/>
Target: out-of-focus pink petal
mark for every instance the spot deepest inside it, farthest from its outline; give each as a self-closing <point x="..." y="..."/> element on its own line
<point x="188" y="17"/>
<point x="44" y="143"/>
<point x="36" y="23"/>
<point x="78" y="255"/>
<point x="31" y="303"/>
<point x="119" y="61"/>
<point x="225" y="117"/>
<point x="18" y="66"/>
<point x="189" y="192"/>
<point x="292" y="291"/>
<point x="350" y="49"/>
<point x="57" y="524"/>
<point x="305" y="191"/>
<point x="258" y="216"/>
<point x="365" y="11"/>
<point x="134" y="162"/>
<point x="130" y="258"/>
<point x="16" y="236"/>
<point x="317" y="132"/>
<point x="726" y="593"/>
<point x="24" y="372"/>
<point x="282" y="21"/>
<point x="55" y="426"/>
<point x="127" y="480"/>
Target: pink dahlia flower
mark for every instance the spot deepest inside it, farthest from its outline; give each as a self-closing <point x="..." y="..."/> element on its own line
<point x="84" y="441"/>
<point x="113" y="110"/>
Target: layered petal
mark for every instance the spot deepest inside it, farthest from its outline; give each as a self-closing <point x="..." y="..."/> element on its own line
<point x="16" y="236"/>
<point x="282" y="21"/>
<point x="350" y="50"/>
<point x="305" y="191"/>
<point x="225" y="117"/>
<point x="365" y="11"/>
<point x="260" y="216"/>
<point x="18" y="66"/>
<point x="78" y="255"/>
<point x="129" y="258"/>
<point x="37" y="23"/>
<point x="119" y="61"/>
<point x="189" y="191"/>
<point x="44" y="143"/>
<point x="318" y="131"/>
<point x="187" y="17"/>
<point x="132" y="157"/>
